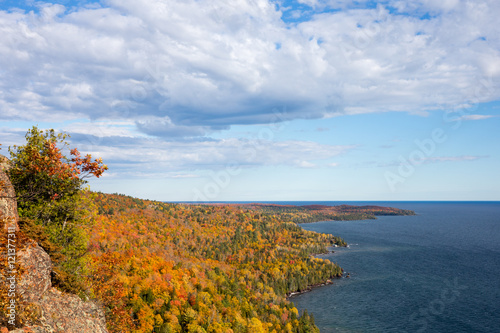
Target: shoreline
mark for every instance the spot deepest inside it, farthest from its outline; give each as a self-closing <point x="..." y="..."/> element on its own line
<point x="329" y="250"/>
<point x="311" y="287"/>
<point x="329" y="281"/>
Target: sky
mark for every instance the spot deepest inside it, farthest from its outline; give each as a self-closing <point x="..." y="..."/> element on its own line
<point x="263" y="100"/>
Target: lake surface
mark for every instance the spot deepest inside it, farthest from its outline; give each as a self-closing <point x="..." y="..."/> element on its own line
<point x="438" y="271"/>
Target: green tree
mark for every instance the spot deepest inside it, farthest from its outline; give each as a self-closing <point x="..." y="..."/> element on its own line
<point x="53" y="205"/>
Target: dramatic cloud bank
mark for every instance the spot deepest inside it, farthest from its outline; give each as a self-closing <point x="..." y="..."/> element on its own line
<point x="189" y="68"/>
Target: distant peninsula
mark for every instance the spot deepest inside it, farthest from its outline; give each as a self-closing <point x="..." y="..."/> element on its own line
<point x="316" y="213"/>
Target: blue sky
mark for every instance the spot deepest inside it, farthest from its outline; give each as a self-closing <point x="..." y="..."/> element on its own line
<point x="263" y="100"/>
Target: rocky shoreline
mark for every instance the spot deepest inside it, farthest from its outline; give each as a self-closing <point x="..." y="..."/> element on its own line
<point x="309" y="288"/>
<point x="327" y="282"/>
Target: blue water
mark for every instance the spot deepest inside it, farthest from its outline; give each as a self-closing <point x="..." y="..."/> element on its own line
<point x="438" y="271"/>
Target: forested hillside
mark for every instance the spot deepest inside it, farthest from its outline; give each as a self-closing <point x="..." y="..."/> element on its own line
<point x="315" y="213"/>
<point x="162" y="267"/>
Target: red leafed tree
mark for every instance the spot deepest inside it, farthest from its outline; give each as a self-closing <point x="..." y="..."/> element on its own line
<point x="41" y="171"/>
<point x="49" y="190"/>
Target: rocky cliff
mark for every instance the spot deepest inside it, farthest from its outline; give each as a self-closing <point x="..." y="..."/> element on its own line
<point x="27" y="298"/>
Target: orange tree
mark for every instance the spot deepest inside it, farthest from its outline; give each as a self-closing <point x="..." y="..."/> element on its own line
<point x="53" y="205"/>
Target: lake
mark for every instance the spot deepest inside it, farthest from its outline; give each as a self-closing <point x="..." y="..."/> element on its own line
<point x="438" y="271"/>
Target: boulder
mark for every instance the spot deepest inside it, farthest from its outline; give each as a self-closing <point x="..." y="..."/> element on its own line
<point x="37" y="268"/>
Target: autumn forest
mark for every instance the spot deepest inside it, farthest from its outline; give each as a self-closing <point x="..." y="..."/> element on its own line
<point x="165" y="267"/>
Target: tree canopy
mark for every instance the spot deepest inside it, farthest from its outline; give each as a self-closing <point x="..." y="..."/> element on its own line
<point x="53" y="205"/>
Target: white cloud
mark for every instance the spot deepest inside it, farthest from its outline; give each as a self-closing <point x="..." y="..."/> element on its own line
<point x="335" y="4"/>
<point x="452" y="158"/>
<point x="153" y="156"/>
<point x="476" y="117"/>
<point x="435" y="159"/>
<point x="130" y="155"/>
<point x="187" y="68"/>
<point x="305" y="164"/>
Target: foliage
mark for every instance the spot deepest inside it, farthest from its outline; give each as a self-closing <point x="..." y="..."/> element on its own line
<point x="50" y="195"/>
<point x="42" y="174"/>
<point x="162" y="267"/>
<point x="314" y="213"/>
